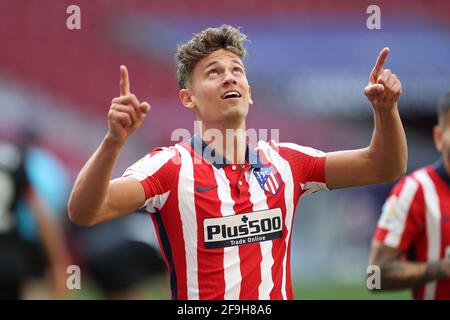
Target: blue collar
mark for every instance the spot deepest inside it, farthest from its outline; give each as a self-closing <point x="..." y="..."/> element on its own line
<point x="440" y="169"/>
<point x="218" y="160"/>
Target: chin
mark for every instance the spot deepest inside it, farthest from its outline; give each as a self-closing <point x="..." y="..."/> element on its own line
<point x="236" y="113"/>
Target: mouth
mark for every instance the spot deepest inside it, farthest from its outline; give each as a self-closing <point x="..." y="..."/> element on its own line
<point x="233" y="94"/>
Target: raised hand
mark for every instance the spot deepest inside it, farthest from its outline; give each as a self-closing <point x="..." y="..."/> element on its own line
<point x="384" y="88"/>
<point x="126" y="113"/>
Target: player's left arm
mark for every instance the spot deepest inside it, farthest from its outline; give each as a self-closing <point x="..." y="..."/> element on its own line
<point x="53" y="242"/>
<point x="385" y="158"/>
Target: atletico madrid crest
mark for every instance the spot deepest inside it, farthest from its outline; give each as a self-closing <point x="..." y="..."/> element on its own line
<point x="268" y="178"/>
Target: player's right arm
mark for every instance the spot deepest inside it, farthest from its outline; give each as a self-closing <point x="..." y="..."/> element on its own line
<point x="95" y="197"/>
<point x="397" y="274"/>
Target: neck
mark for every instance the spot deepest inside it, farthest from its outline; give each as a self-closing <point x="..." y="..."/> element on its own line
<point x="446" y="164"/>
<point x="227" y="140"/>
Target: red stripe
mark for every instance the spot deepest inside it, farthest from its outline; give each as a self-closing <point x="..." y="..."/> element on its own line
<point x="318" y="172"/>
<point x="380" y="234"/>
<point x="162" y="180"/>
<point x="171" y="217"/>
<point x="399" y="187"/>
<point x="415" y="220"/>
<point x="442" y="189"/>
<point x="249" y="254"/>
<point x="418" y="243"/>
<point x="278" y="246"/>
<point x="211" y="277"/>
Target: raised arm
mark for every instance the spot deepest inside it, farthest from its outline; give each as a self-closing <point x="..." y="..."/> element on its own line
<point x="385" y="158"/>
<point x="94" y="197"/>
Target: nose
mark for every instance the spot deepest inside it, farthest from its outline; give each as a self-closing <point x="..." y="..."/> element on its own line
<point x="229" y="78"/>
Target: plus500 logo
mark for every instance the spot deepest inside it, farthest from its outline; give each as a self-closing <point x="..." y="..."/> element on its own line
<point x="243" y="228"/>
<point x="250" y="227"/>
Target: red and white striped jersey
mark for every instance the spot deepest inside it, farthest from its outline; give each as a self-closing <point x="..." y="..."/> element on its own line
<point x="416" y="219"/>
<point x="225" y="229"/>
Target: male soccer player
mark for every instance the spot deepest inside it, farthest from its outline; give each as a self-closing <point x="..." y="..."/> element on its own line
<point x="223" y="209"/>
<point x="411" y="244"/>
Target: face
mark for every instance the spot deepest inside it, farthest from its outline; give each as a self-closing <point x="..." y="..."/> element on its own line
<point x="218" y="90"/>
<point x="442" y="139"/>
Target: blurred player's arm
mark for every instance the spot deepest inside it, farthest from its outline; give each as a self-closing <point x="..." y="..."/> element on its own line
<point x="53" y="241"/>
<point x="385" y="158"/>
<point x="397" y="274"/>
<point x="95" y="197"/>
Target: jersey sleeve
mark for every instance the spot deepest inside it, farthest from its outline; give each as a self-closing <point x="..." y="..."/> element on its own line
<point x="403" y="215"/>
<point x="157" y="172"/>
<point x="307" y="165"/>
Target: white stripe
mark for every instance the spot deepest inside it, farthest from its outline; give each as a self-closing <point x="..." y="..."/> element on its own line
<point x="231" y="260"/>
<point x="157" y="202"/>
<point x="186" y="201"/>
<point x="433" y="221"/>
<point x="286" y="175"/>
<point x="148" y="165"/>
<point x="259" y="200"/>
<point x="395" y="222"/>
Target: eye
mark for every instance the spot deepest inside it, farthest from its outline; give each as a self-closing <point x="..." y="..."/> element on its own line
<point x="212" y="73"/>
<point x="237" y="70"/>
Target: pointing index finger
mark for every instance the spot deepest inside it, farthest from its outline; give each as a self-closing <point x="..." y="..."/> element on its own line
<point x="381" y="60"/>
<point x="124" y="81"/>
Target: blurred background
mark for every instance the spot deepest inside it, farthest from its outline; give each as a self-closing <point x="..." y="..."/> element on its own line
<point x="308" y="62"/>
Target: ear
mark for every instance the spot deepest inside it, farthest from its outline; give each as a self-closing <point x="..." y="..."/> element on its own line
<point x="250" y="95"/>
<point x="186" y="99"/>
<point x="437" y="135"/>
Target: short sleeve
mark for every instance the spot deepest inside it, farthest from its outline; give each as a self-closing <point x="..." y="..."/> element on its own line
<point x="157" y="172"/>
<point x="307" y="165"/>
<point x="403" y="215"/>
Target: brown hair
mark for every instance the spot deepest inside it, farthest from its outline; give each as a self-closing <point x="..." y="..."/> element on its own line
<point x="205" y="43"/>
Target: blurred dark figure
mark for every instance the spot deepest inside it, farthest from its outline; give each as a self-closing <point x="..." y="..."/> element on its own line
<point x="122" y="257"/>
<point x="20" y="258"/>
<point x="50" y="178"/>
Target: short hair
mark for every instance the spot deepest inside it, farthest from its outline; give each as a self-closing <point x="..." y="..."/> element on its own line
<point x="443" y="109"/>
<point x="202" y="45"/>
